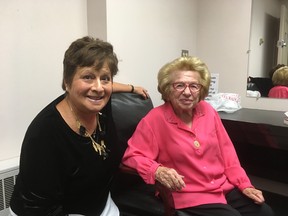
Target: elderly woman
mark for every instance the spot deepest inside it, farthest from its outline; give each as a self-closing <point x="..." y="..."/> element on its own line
<point x="183" y="145"/>
<point x="280" y="82"/>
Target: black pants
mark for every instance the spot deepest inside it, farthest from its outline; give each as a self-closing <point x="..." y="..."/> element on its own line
<point x="237" y="205"/>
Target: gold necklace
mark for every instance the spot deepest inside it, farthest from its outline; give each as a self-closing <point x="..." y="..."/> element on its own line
<point x="99" y="148"/>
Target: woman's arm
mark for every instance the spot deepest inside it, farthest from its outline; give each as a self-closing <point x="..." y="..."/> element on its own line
<point x="233" y="169"/>
<point x="120" y="87"/>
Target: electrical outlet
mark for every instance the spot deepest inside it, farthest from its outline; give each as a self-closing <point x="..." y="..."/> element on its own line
<point x="184" y="53"/>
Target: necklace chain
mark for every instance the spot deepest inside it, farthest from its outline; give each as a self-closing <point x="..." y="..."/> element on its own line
<point x="99" y="148"/>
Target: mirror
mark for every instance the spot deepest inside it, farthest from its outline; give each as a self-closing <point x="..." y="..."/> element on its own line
<point x="268" y="44"/>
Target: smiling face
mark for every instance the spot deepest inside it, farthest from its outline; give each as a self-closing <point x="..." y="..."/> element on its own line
<point x="90" y="89"/>
<point x="183" y="101"/>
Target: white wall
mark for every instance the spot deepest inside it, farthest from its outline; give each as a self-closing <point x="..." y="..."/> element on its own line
<point x="147" y="34"/>
<point x="223" y="40"/>
<point x="97" y="18"/>
<point x="34" y="35"/>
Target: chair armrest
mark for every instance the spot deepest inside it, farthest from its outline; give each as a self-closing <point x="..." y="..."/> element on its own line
<point x="160" y="190"/>
<point x="125" y="169"/>
<point x="167" y="198"/>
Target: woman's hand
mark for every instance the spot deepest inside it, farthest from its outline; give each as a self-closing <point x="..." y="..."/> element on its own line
<point x="254" y="194"/>
<point x="120" y="87"/>
<point x="169" y="178"/>
<point x="141" y="91"/>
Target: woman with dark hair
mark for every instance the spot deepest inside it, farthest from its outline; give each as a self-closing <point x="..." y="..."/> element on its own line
<point x="69" y="153"/>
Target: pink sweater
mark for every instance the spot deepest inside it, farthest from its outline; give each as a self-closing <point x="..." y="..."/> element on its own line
<point x="209" y="170"/>
<point x="278" y="92"/>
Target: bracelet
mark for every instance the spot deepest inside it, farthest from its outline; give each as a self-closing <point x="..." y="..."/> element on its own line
<point x="132" y="90"/>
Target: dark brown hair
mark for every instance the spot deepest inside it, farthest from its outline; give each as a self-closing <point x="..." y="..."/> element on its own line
<point x="85" y="52"/>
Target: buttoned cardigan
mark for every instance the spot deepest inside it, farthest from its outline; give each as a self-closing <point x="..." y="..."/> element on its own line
<point x="203" y="154"/>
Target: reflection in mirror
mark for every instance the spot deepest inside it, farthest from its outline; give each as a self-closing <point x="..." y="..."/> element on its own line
<point x="268" y="44"/>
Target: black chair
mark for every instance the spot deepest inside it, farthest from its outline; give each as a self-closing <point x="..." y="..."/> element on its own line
<point x="130" y="193"/>
<point x="261" y="84"/>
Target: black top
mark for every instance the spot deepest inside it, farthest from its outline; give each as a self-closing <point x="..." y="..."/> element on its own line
<point x="60" y="172"/>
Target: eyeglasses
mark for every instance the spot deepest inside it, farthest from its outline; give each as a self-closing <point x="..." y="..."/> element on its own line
<point x="181" y="86"/>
